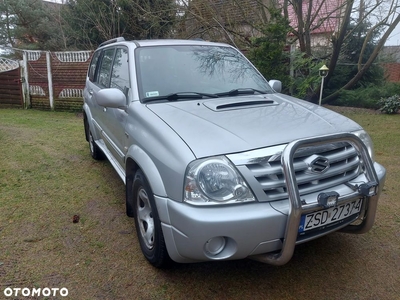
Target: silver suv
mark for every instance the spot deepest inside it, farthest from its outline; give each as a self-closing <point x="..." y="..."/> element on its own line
<point x="217" y="163"/>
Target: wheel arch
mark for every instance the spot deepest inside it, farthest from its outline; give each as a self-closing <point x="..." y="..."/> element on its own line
<point x="88" y="123"/>
<point x="139" y="159"/>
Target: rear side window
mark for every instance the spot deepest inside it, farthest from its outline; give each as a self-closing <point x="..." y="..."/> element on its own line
<point x="105" y="68"/>
<point x="92" y="67"/>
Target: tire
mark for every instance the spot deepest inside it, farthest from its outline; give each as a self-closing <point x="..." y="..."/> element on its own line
<point x="147" y="223"/>
<point x="95" y="151"/>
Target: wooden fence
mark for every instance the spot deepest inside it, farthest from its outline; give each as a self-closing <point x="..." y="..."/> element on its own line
<point x="46" y="80"/>
<point x="56" y="79"/>
<point x="10" y="84"/>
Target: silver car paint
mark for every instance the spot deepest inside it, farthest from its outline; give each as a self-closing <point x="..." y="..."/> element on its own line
<point x="158" y="151"/>
<point x="248" y="127"/>
<point x="164" y="138"/>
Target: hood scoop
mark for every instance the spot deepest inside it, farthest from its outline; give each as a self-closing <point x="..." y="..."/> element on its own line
<point x="230" y="104"/>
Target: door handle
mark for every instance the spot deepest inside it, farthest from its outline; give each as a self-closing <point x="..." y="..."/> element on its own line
<point x="91" y="92"/>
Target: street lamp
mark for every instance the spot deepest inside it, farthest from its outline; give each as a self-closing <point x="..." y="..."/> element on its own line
<point x="323" y="72"/>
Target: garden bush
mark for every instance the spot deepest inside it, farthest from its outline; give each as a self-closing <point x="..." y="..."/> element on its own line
<point x="367" y="97"/>
<point x="390" y="105"/>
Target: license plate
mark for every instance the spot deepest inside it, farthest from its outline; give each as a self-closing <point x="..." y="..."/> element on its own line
<point x="330" y="215"/>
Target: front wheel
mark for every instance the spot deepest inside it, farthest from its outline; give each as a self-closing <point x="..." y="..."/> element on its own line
<point x="147" y="222"/>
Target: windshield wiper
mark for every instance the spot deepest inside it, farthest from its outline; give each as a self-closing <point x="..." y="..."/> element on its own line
<point x="241" y="91"/>
<point x="180" y="95"/>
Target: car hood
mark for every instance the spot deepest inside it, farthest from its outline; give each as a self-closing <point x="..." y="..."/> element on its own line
<point x="235" y="124"/>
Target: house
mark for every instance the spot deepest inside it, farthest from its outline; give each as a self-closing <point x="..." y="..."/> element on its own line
<point x="390" y="61"/>
<point x="319" y="18"/>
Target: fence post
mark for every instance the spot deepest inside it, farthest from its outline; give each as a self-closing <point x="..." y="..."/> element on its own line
<point x="50" y="80"/>
<point x="25" y="81"/>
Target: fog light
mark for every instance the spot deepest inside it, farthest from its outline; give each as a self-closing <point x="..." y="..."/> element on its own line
<point x="215" y="245"/>
<point x="368" y="189"/>
<point x="328" y="199"/>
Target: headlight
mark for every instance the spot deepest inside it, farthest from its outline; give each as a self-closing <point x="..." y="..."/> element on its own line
<point x="215" y="181"/>
<point x="364" y="136"/>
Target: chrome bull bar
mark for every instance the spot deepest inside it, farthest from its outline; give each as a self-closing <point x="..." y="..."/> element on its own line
<point x="295" y="205"/>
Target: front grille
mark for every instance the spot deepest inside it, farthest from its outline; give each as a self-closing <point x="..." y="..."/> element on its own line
<point x="309" y="163"/>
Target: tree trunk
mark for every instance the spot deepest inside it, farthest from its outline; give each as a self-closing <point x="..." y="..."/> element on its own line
<point x="337" y="42"/>
<point x="366" y="66"/>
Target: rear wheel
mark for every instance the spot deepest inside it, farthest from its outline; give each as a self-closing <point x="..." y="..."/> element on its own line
<point x="95" y="151"/>
<point x="147" y="222"/>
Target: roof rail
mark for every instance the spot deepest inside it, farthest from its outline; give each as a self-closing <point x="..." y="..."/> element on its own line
<point x="115" y="40"/>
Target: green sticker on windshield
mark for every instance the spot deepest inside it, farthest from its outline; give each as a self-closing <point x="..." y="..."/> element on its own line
<point x="152" y="94"/>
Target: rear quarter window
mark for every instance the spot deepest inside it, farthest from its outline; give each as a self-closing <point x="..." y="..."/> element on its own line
<point x="92" y="67"/>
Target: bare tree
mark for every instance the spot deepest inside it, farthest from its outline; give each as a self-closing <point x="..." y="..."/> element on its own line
<point x="235" y="21"/>
<point x="94" y="21"/>
<point x="321" y="29"/>
<point x="384" y="16"/>
<point x="313" y="21"/>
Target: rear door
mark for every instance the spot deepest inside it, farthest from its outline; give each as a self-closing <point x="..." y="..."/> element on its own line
<point x="98" y="78"/>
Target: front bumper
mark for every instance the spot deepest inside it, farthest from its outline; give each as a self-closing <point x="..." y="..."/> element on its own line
<point x="248" y="229"/>
<point x="258" y="229"/>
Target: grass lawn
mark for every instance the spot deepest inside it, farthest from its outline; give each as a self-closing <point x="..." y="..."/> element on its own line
<point x="47" y="176"/>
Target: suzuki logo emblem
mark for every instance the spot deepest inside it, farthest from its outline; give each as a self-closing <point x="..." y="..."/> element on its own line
<point x="319" y="165"/>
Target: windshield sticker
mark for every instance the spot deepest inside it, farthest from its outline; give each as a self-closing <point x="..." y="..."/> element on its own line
<point x="152" y="94"/>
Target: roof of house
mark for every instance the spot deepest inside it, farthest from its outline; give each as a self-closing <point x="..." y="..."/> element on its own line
<point x="325" y="15"/>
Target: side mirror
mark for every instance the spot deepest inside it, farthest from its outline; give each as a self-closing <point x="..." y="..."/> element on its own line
<point x="112" y="97"/>
<point x="276" y="85"/>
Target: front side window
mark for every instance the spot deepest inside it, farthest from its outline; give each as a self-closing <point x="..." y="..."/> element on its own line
<point x="105" y="68"/>
<point x="120" y="71"/>
<point x="165" y="70"/>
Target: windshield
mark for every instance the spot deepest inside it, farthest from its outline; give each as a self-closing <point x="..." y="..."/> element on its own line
<point x="170" y="70"/>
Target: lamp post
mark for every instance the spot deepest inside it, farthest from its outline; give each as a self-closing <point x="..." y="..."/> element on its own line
<point x="323" y="72"/>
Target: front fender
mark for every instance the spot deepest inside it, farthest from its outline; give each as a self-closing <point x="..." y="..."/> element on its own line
<point x="145" y="163"/>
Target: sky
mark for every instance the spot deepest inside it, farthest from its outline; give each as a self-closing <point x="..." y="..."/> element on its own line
<point x="394" y="38"/>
